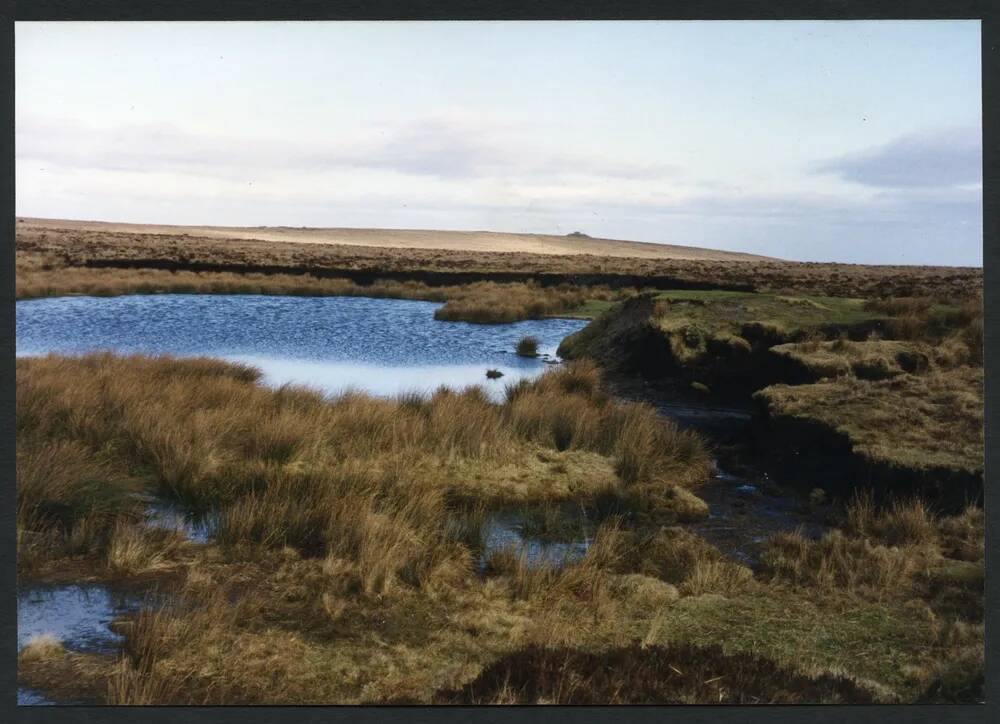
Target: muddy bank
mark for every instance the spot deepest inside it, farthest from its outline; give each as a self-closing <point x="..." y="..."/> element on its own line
<point x="811" y="453"/>
<point x="730" y="366"/>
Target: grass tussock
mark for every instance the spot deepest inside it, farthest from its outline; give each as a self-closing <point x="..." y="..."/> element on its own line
<point x="888" y="552"/>
<point x="41" y="648"/>
<point x="134" y="550"/>
<point x="492" y="303"/>
<point x="527" y="347"/>
<point x="69" y="500"/>
<point x="836" y="562"/>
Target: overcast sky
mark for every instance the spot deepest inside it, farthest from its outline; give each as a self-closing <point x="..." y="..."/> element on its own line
<point x="846" y="141"/>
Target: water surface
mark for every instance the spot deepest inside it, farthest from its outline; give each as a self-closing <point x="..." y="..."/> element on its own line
<point x="77" y="615"/>
<point x="383" y="346"/>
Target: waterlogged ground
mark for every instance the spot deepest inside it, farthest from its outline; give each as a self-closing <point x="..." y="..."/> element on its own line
<point x="380" y="346"/>
<point x="383" y="346"/>
<point x="78" y="616"/>
<point x="745" y="505"/>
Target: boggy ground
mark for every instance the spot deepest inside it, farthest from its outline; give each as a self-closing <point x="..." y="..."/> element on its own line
<point x="348" y="564"/>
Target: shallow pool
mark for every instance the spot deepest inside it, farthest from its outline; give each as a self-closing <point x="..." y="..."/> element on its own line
<point x="383" y="346"/>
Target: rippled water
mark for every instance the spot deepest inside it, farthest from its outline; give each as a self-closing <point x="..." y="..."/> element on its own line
<point x="384" y="346"/>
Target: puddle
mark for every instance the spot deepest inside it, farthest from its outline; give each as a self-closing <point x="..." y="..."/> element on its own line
<point x="77" y="615"/>
<point x="196" y="527"/>
<point x="742" y="515"/>
<point x="30" y="697"/>
<point x="504" y="530"/>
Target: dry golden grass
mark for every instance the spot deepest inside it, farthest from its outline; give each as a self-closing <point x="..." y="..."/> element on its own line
<point x="42" y="647"/>
<point x="478" y="302"/>
<point x="407" y="239"/>
<point x="367" y="479"/>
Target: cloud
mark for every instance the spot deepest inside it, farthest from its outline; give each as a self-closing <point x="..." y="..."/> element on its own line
<point x="937" y="158"/>
<point x="461" y="172"/>
<point x="449" y="146"/>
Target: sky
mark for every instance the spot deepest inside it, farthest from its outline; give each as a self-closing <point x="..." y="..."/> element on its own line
<point x="852" y="141"/>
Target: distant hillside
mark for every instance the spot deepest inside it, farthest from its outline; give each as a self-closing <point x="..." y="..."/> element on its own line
<point x="571" y="244"/>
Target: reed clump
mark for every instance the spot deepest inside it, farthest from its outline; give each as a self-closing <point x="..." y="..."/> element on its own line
<point x="527" y="347"/>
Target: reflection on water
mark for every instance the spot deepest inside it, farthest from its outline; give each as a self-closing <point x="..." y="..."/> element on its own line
<point x="29" y="697"/>
<point x="76" y="615"/>
<point x="384" y="346"/>
<point x="384" y="381"/>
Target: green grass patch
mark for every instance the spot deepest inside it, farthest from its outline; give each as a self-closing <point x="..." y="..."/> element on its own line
<point x="876" y="643"/>
<point x="717" y="312"/>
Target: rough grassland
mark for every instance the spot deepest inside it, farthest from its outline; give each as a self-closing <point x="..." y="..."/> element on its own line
<point x="58" y="245"/>
<point x="478" y="302"/>
<point x="206" y="434"/>
<point x="344" y="569"/>
<point x="488" y="241"/>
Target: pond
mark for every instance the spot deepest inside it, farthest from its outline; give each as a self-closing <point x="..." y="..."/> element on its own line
<point x="382" y="346"/>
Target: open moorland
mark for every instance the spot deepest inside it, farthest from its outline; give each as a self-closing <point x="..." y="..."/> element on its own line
<point x="352" y="554"/>
<point x="461" y="241"/>
<point x="54" y="259"/>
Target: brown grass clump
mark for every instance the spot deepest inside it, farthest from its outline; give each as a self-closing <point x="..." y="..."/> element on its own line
<point x="839" y="562"/>
<point x="963" y="536"/>
<point x="527" y="347"/>
<point x="133" y="550"/>
<point x="41" y="647"/>
<point x="722" y="577"/>
<point x="651" y="675"/>
<point x="68" y="500"/>
<point x="492" y="303"/>
<point x="902" y="522"/>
